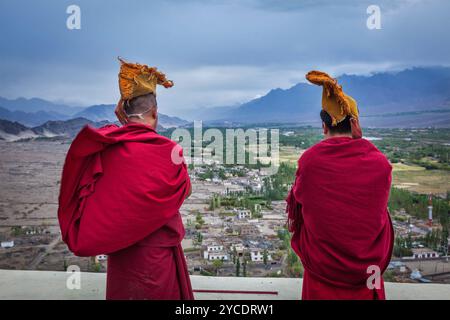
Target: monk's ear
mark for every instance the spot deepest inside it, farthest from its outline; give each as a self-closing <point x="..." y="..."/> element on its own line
<point x="154" y="113"/>
<point x="325" y="128"/>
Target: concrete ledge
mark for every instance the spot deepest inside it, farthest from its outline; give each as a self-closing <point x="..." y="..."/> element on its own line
<point x="32" y="285"/>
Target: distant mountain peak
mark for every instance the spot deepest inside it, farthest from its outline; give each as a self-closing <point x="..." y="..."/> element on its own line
<point x="410" y="90"/>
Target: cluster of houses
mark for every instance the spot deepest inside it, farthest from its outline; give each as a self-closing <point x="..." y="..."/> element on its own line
<point x="241" y="236"/>
<point x="218" y="250"/>
<point x="232" y="179"/>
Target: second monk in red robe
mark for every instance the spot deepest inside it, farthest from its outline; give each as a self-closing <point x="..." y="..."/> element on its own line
<point x="338" y="206"/>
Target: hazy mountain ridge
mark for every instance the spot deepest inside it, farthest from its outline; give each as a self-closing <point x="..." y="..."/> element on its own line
<point x="13" y="131"/>
<point x="35" y="112"/>
<point x="31" y="118"/>
<point x="410" y="90"/>
<point x="106" y="112"/>
<point x="406" y="95"/>
<point x="36" y="104"/>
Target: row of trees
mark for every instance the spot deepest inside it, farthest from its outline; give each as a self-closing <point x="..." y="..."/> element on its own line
<point x="294" y="265"/>
<point x="250" y="202"/>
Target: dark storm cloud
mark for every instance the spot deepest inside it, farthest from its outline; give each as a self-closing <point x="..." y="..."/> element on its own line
<point x="218" y="52"/>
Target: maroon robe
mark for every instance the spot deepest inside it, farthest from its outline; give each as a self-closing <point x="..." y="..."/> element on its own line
<point x="120" y="195"/>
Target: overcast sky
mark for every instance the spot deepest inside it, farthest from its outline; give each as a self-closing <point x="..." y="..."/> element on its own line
<point x="218" y="52"/>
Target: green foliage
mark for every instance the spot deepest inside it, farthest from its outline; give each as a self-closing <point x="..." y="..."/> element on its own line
<point x="217" y="265"/>
<point x="199" y="219"/>
<point x="294" y="265"/>
<point x="436" y="240"/>
<point x="97" y="267"/>
<point x="208" y="174"/>
<point x="235" y="255"/>
<point x="265" y="256"/>
<point x="206" y="273"/>
<point x="388" y="276"/>
<point x="402" y="247"/>
<point x="417" y="205"/>
<point x="276" y="187"/>
<point x="247" y="201"/>
<point x="198" y="239"/>
<point x="16" y="231"/>
<point x="244" y="267"/>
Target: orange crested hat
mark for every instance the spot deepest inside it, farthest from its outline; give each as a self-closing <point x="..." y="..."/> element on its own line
<point x="334" y="101"/>
<point x="137" y="79"/>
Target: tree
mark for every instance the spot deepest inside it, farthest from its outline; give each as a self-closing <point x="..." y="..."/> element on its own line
<point x="238" y="267"/>
<point x="296" y="269"/>
<point x="199" y="238"/>
<point x="212" y="203"/>
<point x="265" y="256"/>
<point x="244" y="267"/>
<point x="199" y="219"/>
<point x="218" y="263"/>
<point x="235" y="254"/>
<point x="401" y="248"/>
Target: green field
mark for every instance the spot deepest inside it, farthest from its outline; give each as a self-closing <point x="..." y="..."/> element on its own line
<point x="422" y="181"/>
<point x="420" y="157"/>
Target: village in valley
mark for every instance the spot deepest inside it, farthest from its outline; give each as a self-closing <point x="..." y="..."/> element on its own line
<point x="235" y="220"/>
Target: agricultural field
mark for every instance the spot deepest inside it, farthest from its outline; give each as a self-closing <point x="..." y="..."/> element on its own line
<point x="420" y="157"/>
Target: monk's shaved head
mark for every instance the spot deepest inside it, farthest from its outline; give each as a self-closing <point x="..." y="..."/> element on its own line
<point x="140" y="104"/>
<point x="342" y="127"/>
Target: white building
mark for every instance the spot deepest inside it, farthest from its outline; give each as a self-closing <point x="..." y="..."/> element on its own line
<point x="258" y="255"/>
<point x="424" y="253"/>
<point x="7" y="244"/>
<point x="218" y="256"/>
<point x="239" y="248"/>
<point x="212" y="249"/>
<point x="243" y="214"/>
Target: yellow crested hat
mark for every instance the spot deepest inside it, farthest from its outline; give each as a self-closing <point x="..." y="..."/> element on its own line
<point x="136" y="80"/>
<point x="334" y="101"/>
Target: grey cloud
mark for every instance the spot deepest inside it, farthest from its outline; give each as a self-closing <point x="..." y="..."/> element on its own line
<point x="218" y="52"/>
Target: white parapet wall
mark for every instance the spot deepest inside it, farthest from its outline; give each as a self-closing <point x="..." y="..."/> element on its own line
<point x="18" y="284"/>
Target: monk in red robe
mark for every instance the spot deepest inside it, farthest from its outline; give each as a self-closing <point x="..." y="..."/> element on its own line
<point x="121" y="191"/>
<point x="337" y="208"/>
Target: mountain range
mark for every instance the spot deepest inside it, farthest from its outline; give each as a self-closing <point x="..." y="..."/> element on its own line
<point x="35" y="112"/>
<point x="105" y="112"/>
<point x="412" y="97"/>
<point x="416" y="97"/>
<point x="13" y="131"/>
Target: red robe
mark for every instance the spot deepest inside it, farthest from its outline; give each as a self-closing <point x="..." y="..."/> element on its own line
<point x="337" y="211"/>
<point x="120" y="195"/>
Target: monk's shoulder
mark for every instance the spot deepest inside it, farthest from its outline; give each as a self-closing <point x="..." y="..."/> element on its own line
<point x="161" y="144"/>
<point x="309" y="155"/>
<point x="152" y="145"/>
<point x="377" y="156"/>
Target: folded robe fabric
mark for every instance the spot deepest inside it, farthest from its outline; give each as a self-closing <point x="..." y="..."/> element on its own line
<point x="152" y="269"/>
<point x="118" y="186"/>
<point x="337" y="211"/>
